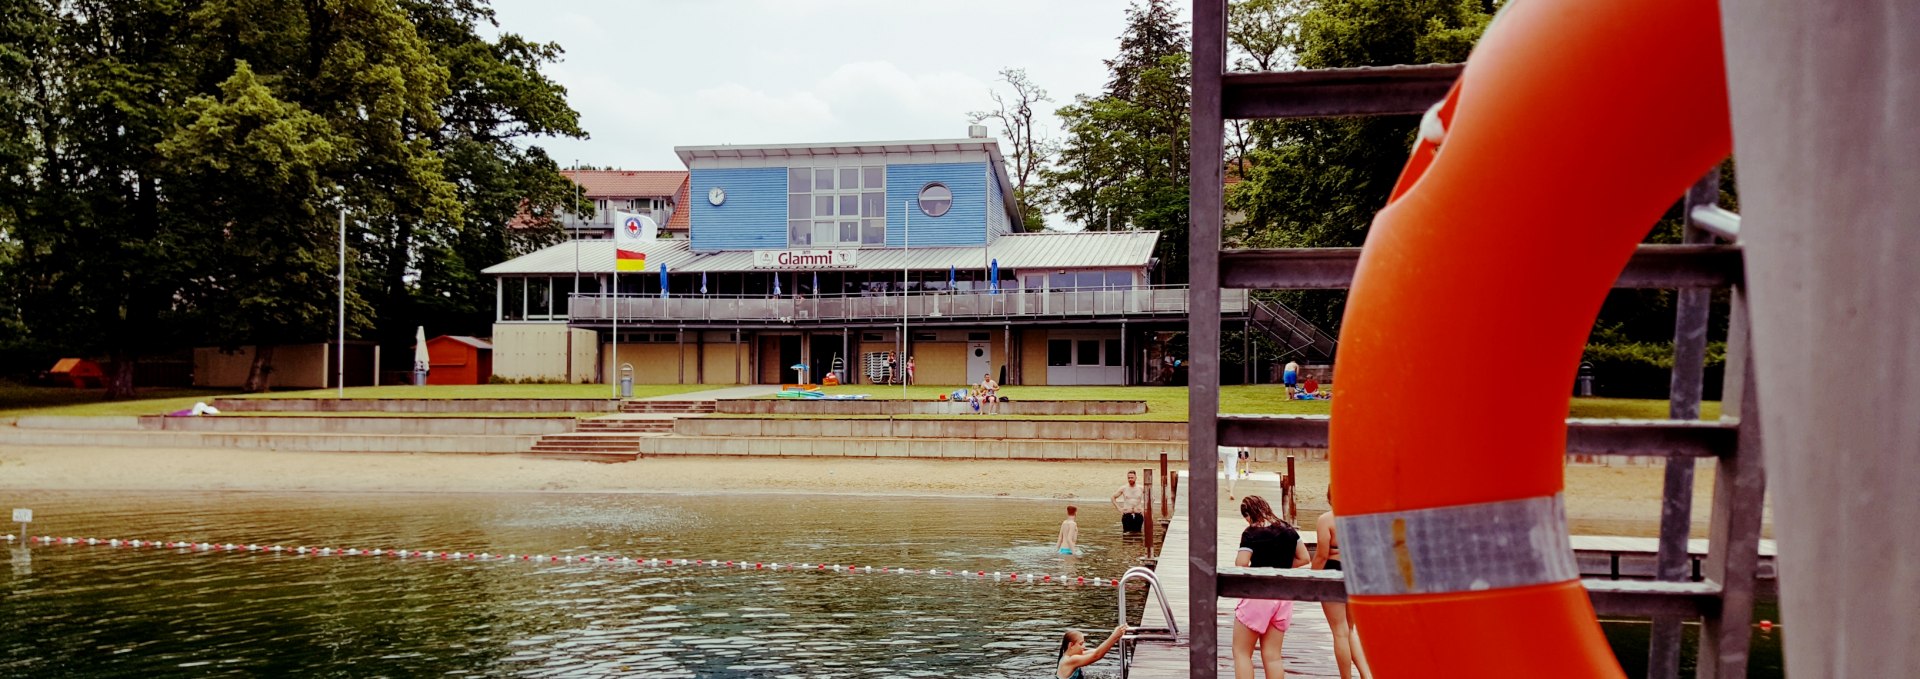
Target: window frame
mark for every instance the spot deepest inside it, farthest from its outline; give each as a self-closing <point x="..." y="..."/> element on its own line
<point x="834" y="199"/>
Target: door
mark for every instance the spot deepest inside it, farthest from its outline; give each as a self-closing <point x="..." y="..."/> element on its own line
<point x="789" y="356"/>
<point x="979" y="361"/>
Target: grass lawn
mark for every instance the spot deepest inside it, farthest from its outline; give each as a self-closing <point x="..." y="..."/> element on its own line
<point x="450" y="391"/>
<point x="1169" y="404"/>
<point x="17" y="400"/>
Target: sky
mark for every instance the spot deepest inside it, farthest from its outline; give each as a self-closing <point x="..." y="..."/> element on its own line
<point x="648" y="75"/>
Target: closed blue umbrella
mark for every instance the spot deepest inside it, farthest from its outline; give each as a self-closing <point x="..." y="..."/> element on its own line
<point x="951" y="276"/>
<point x="703" y="282"/>
<point x="816" y="284"/>
<point x="993" y="275"/>
<point x="663" y="280"/>
<point x="776" y="285"/>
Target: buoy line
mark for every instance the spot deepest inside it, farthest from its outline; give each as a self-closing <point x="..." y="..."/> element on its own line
<point x="184" y="547"/>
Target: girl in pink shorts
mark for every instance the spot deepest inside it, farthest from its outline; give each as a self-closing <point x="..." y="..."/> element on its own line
<point x="1268" y="542"/>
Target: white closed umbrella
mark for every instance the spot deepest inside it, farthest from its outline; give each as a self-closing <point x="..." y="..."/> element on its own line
<point x="420" y="359"/>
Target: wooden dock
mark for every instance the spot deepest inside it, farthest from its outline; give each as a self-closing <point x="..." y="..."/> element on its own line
<point x="1309" y="643"/>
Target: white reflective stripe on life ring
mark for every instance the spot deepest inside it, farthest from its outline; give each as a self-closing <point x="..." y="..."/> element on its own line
<point x="1464" y="548"/>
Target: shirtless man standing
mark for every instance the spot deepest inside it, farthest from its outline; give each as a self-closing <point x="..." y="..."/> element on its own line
<point x="1131" y="502"/>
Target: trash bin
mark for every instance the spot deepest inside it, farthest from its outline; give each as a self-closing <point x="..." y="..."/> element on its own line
<point x="626" y="380"/>
<point x="1583" y="384"/>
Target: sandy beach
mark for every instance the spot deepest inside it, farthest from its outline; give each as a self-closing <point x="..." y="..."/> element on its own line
<point x="1600" y="500"/>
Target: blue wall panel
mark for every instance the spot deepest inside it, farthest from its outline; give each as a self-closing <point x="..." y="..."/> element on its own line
<point x="754" y="216"/>
<point x="964" y="224"/>
<point x="997" y="219"/>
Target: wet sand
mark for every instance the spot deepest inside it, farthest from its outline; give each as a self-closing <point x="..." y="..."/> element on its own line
<point x="1600" y="500"/>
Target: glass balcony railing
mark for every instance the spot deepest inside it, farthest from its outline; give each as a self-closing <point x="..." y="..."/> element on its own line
<point x="1154" y="301"/>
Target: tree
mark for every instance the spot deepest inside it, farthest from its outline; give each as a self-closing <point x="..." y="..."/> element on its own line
<point x="1124" y="163"/>
<point x="1318" y="183"/>
<point x="249" y="165"/>
<point x="1031" y="152"/>
<point x="173" y="170"/>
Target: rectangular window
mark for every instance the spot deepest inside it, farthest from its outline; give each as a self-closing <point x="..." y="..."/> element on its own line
<point x="513" y="299"/>
<point x="1059" y="352"/>
<point x="1089" y="351"/>
<point x="925" y="337"/>
<point x="872" y="337"/>
<point x="978" y="337"/>
<point x="820" y="193"/>
<point x="1119" y="280"/>
<point x="1113" y="352"/>
<point x="1091" y="280"/>
<point x="539" y="302"/>
<point x="1061" y="282"/>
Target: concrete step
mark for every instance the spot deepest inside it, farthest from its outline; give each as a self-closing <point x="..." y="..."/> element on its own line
<point x="667" y="406"/>
<point x="584" y="456"/>
<point x="627" y="426"/>
<point x="761" y="446"/>
<point x="303" y="442"/>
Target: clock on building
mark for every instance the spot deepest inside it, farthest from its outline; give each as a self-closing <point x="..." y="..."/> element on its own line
<point x="716" y="195"/>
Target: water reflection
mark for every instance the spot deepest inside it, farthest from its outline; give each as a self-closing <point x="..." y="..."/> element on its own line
<point x="162" y="612"/>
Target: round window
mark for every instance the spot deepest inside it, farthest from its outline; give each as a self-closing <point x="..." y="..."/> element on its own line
<point x="935" y="199"/>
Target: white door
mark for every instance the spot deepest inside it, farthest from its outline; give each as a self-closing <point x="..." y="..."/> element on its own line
<point x="979" y="361"/>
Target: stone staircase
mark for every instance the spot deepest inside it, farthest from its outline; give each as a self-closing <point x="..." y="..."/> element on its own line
<point x="615" y="438"/>
<point x="668" y="407"/>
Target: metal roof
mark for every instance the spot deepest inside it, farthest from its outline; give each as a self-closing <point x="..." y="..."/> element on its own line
<point x="1047" y="250"/>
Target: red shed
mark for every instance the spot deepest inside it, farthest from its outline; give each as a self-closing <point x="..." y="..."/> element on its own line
<point x="458" y="359"/>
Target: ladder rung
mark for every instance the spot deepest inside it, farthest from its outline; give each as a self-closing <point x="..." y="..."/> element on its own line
<point x="1652" y="266"/>
<point x="1388" y="90"/>
<point x="1651" y="438"/>
<point x="1610" y="597"/>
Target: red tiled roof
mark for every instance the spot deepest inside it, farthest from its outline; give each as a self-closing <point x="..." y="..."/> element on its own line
<point x="681" y="208"/>
<point x="629" y="183"/>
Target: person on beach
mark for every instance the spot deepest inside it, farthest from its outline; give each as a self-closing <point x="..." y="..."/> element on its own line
<point x="989" y="391"/>
<point x="1131" y="502"/>
<point x="1230" y="467"/>
<point x="1075" y="655"/>
<point x="909" y="370"/>
<point x="1290" y="375"/>
<point x="891" y="375"/>
<point x="1346" y="639"/>
<point x="1069" y="531"/>
<point x="1268" y="542"/>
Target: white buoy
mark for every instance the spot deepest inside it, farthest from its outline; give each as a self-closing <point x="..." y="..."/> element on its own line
<point x="276" y="548"/>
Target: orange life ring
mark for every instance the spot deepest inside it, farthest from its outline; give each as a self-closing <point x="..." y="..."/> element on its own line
<point x="1573" y="127"/>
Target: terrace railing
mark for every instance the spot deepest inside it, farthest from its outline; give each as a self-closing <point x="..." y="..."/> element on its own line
<point x="1170" y="301"/>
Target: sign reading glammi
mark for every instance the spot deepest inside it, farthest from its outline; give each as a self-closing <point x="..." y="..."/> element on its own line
<point x="803" y="259"/>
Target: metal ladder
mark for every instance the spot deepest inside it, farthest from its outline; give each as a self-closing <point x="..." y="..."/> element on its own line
<point x="1169" y="633"/>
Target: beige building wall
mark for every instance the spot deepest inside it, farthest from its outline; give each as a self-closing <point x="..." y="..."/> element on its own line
<point x="655" y="363"/>
<point x="720" y="361"/>
<point x="1033" y="355"/>
<point x="538" y="351"/>
<point x="295" y="366"/>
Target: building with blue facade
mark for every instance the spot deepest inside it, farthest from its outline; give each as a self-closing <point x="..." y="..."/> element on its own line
<point x="835" y="256"/>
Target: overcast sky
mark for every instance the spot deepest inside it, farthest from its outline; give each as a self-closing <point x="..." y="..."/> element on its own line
<point x="647" y="75"/>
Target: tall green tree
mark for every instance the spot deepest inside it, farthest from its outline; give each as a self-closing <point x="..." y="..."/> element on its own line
<point x="174" y="168"/>
<point x="1124" y="162"/>
<point x="1318" y="182"/>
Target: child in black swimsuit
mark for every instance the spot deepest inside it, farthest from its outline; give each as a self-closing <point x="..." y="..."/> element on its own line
<point x="1346" y="640"/>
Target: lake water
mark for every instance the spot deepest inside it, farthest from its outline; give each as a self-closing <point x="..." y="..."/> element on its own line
<point x="104" y="611"/>
<point x="101" y="611"/>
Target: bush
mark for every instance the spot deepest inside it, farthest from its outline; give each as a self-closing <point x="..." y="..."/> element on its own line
<point x="1645" y="369"/>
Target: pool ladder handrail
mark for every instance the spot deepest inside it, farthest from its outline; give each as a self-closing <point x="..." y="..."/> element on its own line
<point x="1169" y="633"/>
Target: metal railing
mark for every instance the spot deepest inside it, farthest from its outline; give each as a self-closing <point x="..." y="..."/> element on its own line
<point x="1146" y="301"/>
<point x="1169" y="633"/>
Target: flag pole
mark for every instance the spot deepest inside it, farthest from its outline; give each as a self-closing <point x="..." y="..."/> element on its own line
<point x="613" y="362"/>
<point x="906" y="262"/>
<point x="340" y="361"/>
<point x="575" y="235"/>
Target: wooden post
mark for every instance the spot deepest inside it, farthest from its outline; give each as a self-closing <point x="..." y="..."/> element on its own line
<point x="1146" y="535"/>
<point x="1292" y="500"/>
<point x="1163" y="486"/>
